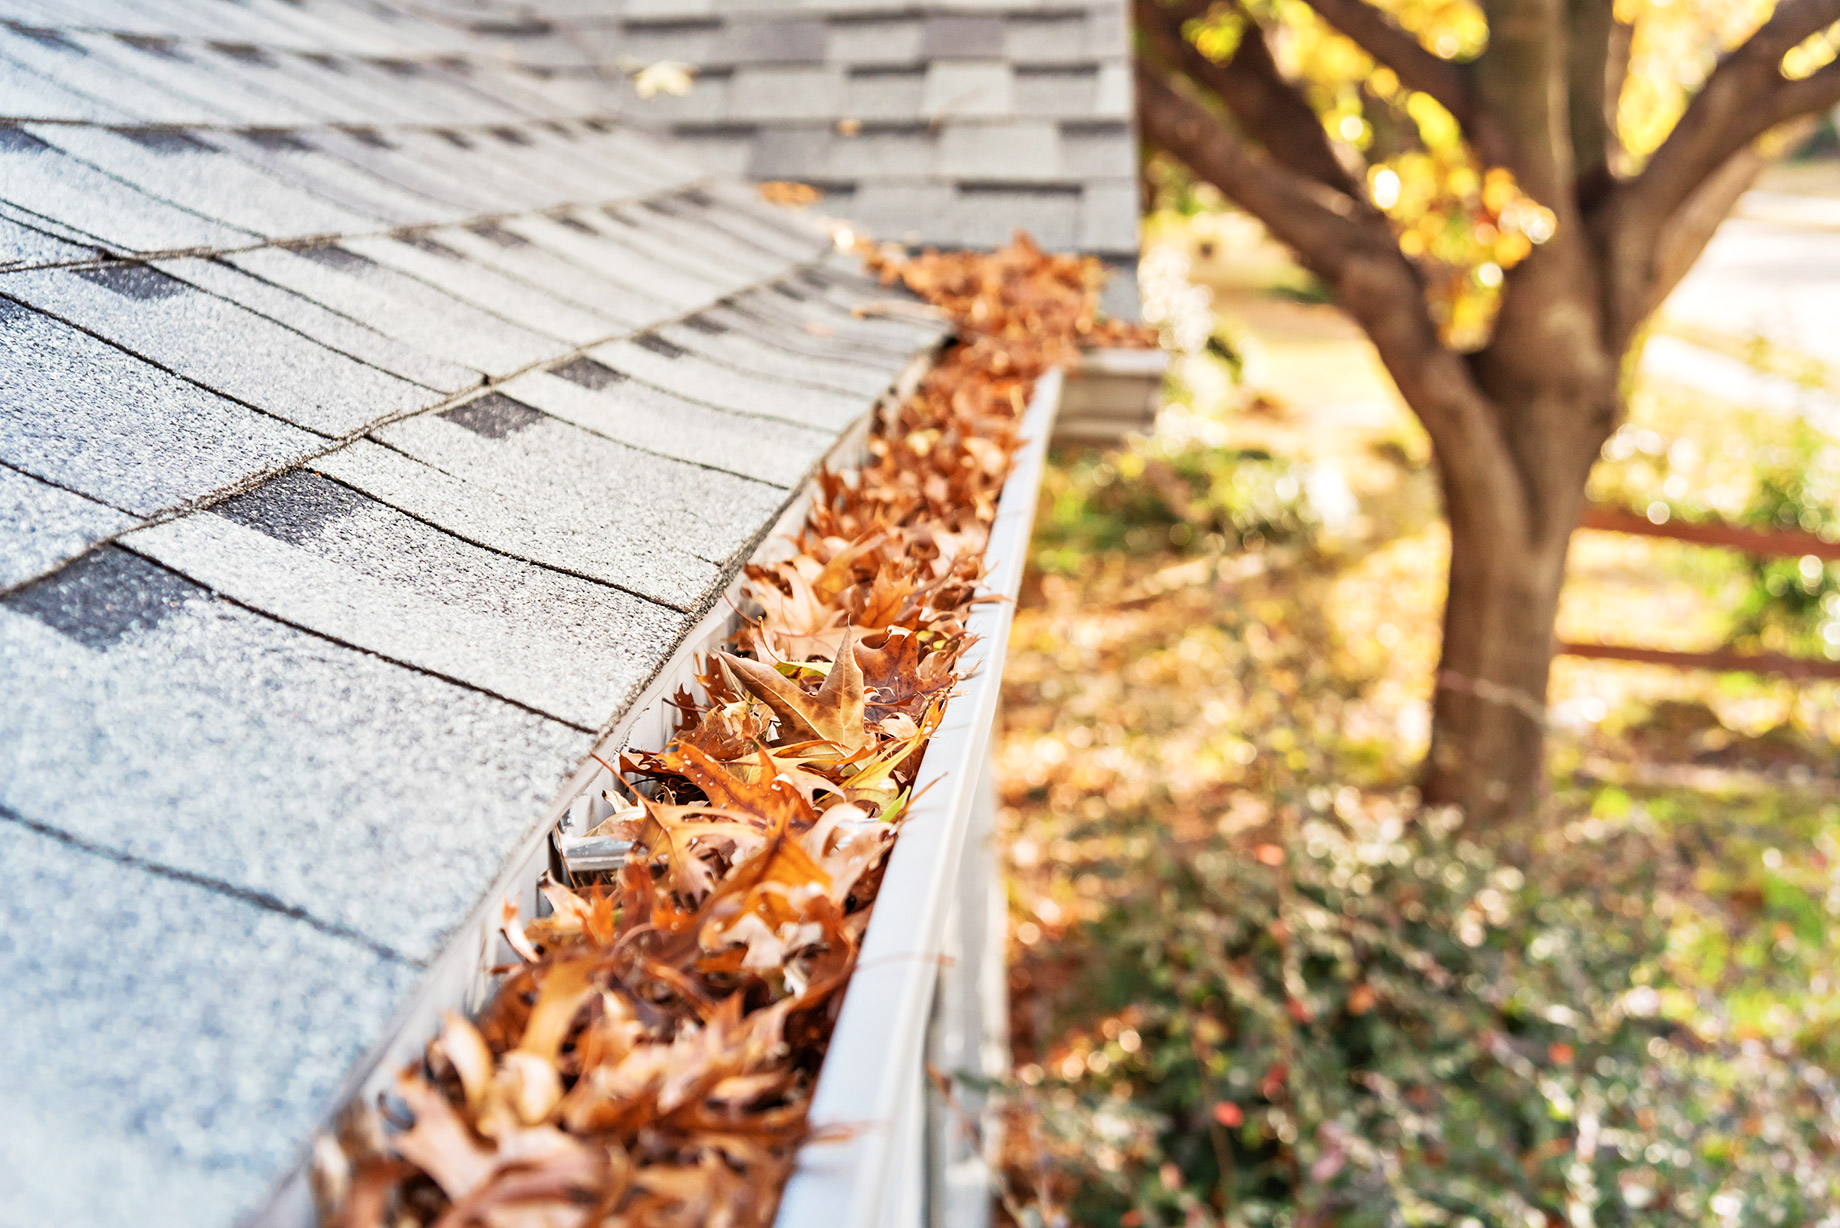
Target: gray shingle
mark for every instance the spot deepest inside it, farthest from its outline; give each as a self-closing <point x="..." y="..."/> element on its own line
<point x="208" y="96"/>
<point x="732" y="211"/>
<point x="806" y="337"/>
<point x="989" y="217"/>
<point x="692" y="253"/>
<point x="1057" y="91"/>
<point x="886" y="152"/>
<point x="664" y="365"/>
<point x="292" y="156"/>
<point x="884" y="93"/>
<point x="443" y="267"/>
<point x="579" y="155"/>
<point x="1098" y="149"/>
<point x="698" y="245"/>
<point x="968" y="87"/>
<point x="84" y="415"/>
<point x="666" y="8"/>
<point x="599" y="399"/>
<point x="725" y="149"/>
<point x="324" y="557"/>
<point x="902" y="211"/>
<point x="373" y="98"/>
<point x="1056" y="37"/>
<point x="220" y="345"/>
<point x="592" y="243"/>
<point x="454" y="159"/>
<point x="768" y="92"/>
<point x="1013" y="151"/>
<point x="1112" y="95"/>
<point x="502" y="169"/>
<point x="792" y="151"/>
<point x="22" y="244"/>
<point x="400" y="306"/>
<point x="714" y="340"/>
<point x="962" y="36"/>
<point x="875" y="39"/>
<point x="80" y="64"/>
<point x="689" y="39"/>
<point x="272" y="73"/>
<point x="36" y="177"/>
<point x="327" y="327"/>
<point x="368" y="796"/>
<point x="659" y="512"/>
<point x="1109" y="31"/>
<point x="780" y="40"/>
<point x="660" y="167"/>
<point x="508" y="251"/>
<point x="42" y="526"/>
<point x="707" y="99"/>
<point x="561" y="518"/>
<point x="382" y="157"/>
<point x="25" y="94"/>
<point x="170" y="1046"/>
<point x="1108" y="217"/>
<point x="739" y="210"/>
<point x="791" y="307"/>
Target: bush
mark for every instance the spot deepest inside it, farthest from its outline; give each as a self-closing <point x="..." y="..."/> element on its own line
<point x="1157" y="497"/>
<point x="1376" y="1021"/>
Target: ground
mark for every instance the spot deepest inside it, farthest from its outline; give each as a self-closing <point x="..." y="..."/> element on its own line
<point x="1252" y="983"/>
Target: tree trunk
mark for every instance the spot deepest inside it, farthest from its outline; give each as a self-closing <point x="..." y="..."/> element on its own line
<point x="1507" y="565"/>
<point x="1488" y="720"/>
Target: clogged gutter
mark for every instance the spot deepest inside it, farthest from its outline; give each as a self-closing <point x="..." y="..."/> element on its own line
<point x="651" y="1058"/>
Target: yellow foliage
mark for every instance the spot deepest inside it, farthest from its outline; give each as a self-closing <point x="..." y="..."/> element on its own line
<point x="1466" y="224"/>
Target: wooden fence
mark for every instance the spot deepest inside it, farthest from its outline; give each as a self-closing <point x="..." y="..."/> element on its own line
<point x="1762" y="543"/>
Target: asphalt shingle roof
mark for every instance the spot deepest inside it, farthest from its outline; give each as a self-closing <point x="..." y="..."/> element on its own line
<point x="379" y="410"/>
<point x="933" y="122"/>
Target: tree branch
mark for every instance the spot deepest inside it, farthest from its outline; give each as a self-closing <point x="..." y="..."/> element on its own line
<point x="1353" y="249"/>
<point x="1250" y="85"/>
<point x="1701" y="214"/>
<point x="1522" y="84"/>
<point x="1594" y="72"/>
<point x="1745" y="96"/>
<point x="1374" y="32"/>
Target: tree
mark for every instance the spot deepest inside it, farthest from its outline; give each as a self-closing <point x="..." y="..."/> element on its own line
<point x="1575" y="207"/>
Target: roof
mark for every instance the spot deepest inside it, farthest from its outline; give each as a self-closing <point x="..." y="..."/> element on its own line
<point x="378" y="414"/>
<point x="947" y="123"/>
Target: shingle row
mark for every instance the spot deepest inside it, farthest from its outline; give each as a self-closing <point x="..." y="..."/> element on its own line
<point x="139" y="191"/>
<point x="951" y="124"/>
<point x="57" y="72"/>
<point x="930" y="94"/>
<point x="720" y="36"/>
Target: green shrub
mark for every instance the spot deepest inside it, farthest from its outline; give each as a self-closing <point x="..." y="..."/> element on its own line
<point x="1371" y="1021"/>
<point x="1152" y="497"/>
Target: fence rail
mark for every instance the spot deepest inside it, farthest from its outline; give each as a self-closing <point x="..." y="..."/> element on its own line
<point x="1765" y="543"/>
<point x="1760" y="543"/>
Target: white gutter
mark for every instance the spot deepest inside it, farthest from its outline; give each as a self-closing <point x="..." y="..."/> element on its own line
<point x="919" y="877"/>
<point x="460" y="978"/>
<point x="868" y="1164"/>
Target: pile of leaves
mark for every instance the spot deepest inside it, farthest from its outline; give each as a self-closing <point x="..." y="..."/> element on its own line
<point x="651" y="1057"/>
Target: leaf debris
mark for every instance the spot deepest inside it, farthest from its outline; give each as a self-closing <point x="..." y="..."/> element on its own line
<point x="651" y="1057"/>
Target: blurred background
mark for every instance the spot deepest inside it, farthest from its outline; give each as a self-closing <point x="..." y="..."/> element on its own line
<point x="1250" y="985"/>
